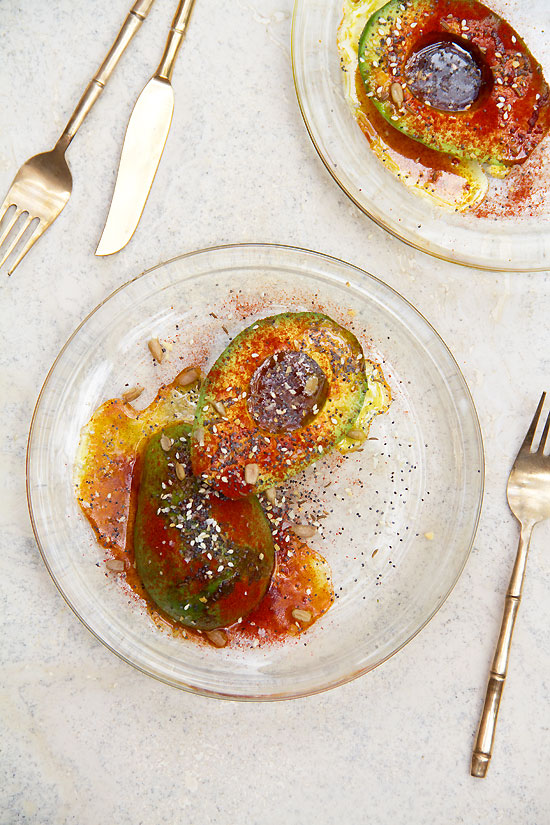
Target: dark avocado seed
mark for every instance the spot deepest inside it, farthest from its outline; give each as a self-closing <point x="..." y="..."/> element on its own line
<point x="287" y="391"/>
<point x="445" y="75"/>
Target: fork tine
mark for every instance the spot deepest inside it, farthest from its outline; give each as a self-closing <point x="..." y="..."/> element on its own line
<point x="10" y="224"/>
<point x="13" y="243"/>
<point x="35" y="235"/>
<point x="544" y="435"/>
<point x="5" y="206"/>
<point x="528" y="440"/>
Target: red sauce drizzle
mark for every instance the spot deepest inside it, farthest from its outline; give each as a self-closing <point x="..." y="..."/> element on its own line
<point x="373" y="125"/>
<point x="516" y="80"/>
<point x="519" y="89"/>
<point x="114" y="442"/>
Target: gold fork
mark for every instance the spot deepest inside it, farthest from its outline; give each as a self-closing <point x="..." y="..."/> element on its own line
<point x="529" y="500"/>
<point x="43" y="185"/>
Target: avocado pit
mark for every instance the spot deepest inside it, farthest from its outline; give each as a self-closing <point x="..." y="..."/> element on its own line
<point x="445" y="75"/>
<point x="287" y="391"/>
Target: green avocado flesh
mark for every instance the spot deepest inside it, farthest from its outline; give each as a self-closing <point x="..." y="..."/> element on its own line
<point x="284" y="391"/>
<point x="455" y="76"/>
<point x="205" y="560"/>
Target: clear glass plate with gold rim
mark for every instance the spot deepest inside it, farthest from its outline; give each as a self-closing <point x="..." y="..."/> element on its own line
<point x="500" y="235"/>
<point x="401" y="513"/>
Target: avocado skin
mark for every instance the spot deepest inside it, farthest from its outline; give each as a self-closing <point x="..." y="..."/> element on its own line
<point x="176" y="573"/>
<point x="232" y="441"/>
<point x="503" y="126"/>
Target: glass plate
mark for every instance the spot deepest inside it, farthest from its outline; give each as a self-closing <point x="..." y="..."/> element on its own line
<point x="413" y="495"/>
<point x="503" y="244"/>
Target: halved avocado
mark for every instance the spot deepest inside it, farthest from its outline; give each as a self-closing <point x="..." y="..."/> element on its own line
<point x="455" y="76"/>
<point x="205" y="560"/>
<point x="282" y="393"/>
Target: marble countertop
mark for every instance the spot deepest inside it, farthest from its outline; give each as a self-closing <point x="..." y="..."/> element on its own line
<point x="86" y="739"/>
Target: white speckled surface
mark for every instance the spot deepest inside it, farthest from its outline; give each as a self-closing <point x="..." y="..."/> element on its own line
<point x="85" y="738"/>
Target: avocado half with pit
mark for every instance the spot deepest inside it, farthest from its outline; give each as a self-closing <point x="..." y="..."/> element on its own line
<point x="455" y="76"/>
<point x="284" y="391"/>
<point x="206" y="561"/>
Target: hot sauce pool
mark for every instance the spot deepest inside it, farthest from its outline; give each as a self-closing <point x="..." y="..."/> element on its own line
<point x="107" y="494"/>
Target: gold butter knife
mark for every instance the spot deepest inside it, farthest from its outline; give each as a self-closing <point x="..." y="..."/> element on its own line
<point x="144" y="142"/>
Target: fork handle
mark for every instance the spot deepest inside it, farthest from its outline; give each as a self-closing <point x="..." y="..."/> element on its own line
<point x="135" y="18"/>
<point x="483" y="748"/>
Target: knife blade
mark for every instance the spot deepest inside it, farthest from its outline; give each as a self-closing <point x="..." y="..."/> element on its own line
<point x="144" y="142"/>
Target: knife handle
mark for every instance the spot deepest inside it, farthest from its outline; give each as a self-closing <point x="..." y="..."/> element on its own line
<point x="135" y="18"/>
<point x="175" y="39"/>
